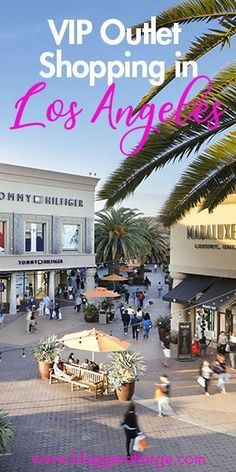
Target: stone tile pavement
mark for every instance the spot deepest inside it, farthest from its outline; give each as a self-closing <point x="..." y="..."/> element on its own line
<point x="49" y="420"/>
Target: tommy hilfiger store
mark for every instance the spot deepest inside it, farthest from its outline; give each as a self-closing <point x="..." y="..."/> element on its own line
<point x="46" y="231"/>
<point x="203" y="267"/>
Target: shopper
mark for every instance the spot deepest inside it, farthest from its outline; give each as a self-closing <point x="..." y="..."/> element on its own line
<point x="131" y="427"/>
<point x="135" y="324"/>
<point x="203" y="344"/>
<point x="166" y="350"/>
<point x="162" y="395"/>
<point x="222" y="342"/>
<point x="159" y="288"/>
<point x="147" y="325"/>
<point x="41" y="308"/>
<point x="205" y="373"/>
<point x="220" y="368"/>
<point x="126" y="321"/>
<point x="78" y="302"/>
<point x="59" y="372"/>
<point x="232" y="350"/>
<point x="141" y="298"/>
<point x="18" y="303"/>
<point x="127" y="295"/>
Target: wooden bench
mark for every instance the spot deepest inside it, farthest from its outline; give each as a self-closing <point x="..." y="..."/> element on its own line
<point x="87" y="379"/>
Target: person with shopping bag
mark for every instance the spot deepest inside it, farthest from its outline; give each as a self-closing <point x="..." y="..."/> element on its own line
<point x="205" y="376"/>
<point x="131" y="427"/>
<point x="162" y="396"/>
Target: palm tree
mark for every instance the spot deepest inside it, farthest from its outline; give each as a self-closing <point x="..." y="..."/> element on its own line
<point x="158" y="241"/>
<point x="175" y="142"/>
<point x="119" y="235"/>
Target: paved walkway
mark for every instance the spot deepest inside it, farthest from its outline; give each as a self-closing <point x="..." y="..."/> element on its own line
<point x="52" y="421"/>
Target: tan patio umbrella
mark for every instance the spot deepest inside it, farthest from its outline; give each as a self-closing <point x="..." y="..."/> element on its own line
<point x="114" y="278"/>
<point x="101" y="292"/>
<point x="94" y="340"/>
<point x="126" y="269"/>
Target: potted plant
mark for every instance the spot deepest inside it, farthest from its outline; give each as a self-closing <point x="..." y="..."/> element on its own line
<point x="6" y="432"/>
<point x="124" y="369"/>
<point x="91" y="313"/>
<point x="44" y="353"/>
<point x="163" y="324"/>
<point x="174" y="337"/>
<point x="107" y="304"/>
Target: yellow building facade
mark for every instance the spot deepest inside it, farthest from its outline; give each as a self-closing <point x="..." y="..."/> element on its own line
<point x="203" y="268"/>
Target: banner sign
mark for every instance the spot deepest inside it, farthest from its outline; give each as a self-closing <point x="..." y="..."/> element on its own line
<point x="185" y="342"/>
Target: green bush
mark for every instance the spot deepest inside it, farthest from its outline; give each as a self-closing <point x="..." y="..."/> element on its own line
<point x="6" y="432"/>
<point x="47" y="349"/>
<point x="125" y="367"/>
<point x="91" y="313"/>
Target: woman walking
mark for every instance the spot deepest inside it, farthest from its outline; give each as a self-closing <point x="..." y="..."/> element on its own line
<point x="166" y="350"/>
<point x="205" y="373"/>
<point x="220" y="368"/>
<point x="130" y="424"/>
<point x="162" y="395"/>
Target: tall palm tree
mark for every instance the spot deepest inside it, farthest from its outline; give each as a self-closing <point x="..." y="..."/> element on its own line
<point x="119" y="235"/>
<point x="157" y="238"/>
<point x="175" y="142"/>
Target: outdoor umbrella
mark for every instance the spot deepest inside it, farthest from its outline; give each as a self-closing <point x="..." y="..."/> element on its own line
<point x="101" y="292"/>
<point x="126" y="269"/>
<point x="94" y="340"/>
<point x="114" y="278"/>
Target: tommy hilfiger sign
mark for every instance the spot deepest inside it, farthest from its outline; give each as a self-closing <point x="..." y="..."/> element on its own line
<point x="40" y="199"/>
<point x="40" y="261"/>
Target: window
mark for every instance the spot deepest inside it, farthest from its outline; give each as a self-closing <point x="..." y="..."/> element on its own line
<point x="71" y="238"/>
<point x="34" y="237"/>
<point x="2" y="235"/>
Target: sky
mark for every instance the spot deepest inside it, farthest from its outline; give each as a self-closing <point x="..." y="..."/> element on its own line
<point x="88" y="147"/>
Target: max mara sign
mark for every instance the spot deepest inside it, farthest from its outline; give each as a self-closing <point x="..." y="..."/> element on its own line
<point x="213" y="232"/>
<point x="40" y="199"/>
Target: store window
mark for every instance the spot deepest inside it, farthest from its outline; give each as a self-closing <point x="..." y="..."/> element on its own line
<point x="71" y="237"/>
<point x="2" y="235"/>
<point x="35" y="237"/>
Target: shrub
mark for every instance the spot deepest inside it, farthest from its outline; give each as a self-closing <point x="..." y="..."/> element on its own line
<point x="125" y="366"/>
<point x="47" y="349"/>
<point x="6" y="432"/>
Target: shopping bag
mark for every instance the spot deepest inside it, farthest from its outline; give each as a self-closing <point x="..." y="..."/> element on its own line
<point x="140" y="443"/>
<point x="59" y="315"/>
<point x="143" y="444"/>
<point x="201" y="381"/>
<point x="158" y="393"/>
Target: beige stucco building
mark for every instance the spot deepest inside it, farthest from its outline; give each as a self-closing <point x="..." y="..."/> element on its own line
<point x="203" y="267"/>
<point x="46" y="230"/>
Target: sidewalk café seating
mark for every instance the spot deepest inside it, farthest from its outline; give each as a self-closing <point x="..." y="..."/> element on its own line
<point x="95" y="382"/>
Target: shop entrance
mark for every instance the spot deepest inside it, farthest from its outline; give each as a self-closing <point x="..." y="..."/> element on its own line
<point x="32" y="284"/>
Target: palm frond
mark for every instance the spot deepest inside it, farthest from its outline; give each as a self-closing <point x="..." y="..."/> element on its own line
<point x="193" y="11"/>
<point x="173" y="142"/>
<point x="207" y="181"/>
<point x="200" y="47"/>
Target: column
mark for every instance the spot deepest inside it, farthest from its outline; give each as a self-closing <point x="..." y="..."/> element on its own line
<point x="51" y="290"/>
<point x="12" y="310"/>
<point x="178" y="314"/>
<point x="90" y="273"/>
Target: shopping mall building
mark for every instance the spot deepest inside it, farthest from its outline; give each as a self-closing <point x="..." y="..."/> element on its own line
<point x="46" y="230"/>
<point x="203" y="268"/>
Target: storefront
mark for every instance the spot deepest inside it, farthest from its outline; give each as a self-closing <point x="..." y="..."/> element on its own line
<point x="203" y="268"/>
<point x="46" y="231"/>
